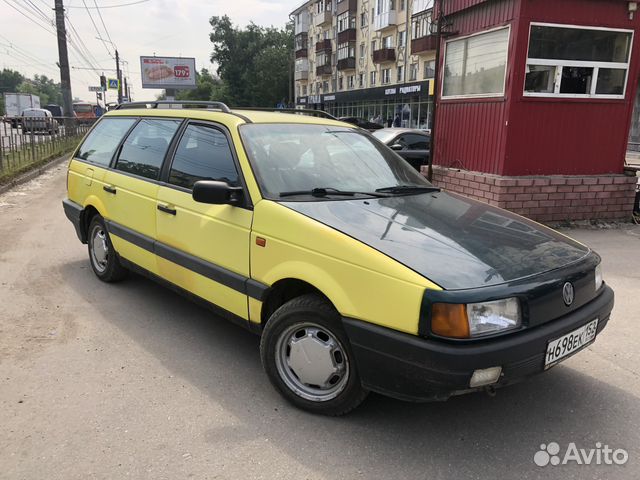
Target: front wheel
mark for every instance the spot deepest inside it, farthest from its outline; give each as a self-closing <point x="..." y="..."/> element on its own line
<point x="307" y="357"/>
<point x="102" y="255"/>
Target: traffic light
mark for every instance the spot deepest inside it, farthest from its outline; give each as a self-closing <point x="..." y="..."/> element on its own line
<point x="103" y="82"/>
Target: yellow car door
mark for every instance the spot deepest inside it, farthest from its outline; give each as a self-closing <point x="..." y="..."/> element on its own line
<point x="131" y="188"/>
<point x="204" y="248"/>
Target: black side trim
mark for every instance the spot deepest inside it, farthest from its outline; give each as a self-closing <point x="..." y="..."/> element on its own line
<point x="219" y="274"/>
<point x="74" y="213"/>
<point x="232" y="317"/>
<point x="130" y="236"/>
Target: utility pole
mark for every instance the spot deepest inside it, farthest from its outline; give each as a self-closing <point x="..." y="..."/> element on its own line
<point x="125" y="89"/>
<point x="436" y="86"/>
<point x="63" y="60"/>
<point x="119" y="74"/>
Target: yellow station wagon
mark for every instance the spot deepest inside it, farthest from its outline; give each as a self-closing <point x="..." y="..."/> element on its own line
<point x="358" y="273"/>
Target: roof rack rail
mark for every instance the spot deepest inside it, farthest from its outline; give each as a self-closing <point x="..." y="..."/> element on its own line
<point x="182" y="103"/>
<point x="300" y="111"/>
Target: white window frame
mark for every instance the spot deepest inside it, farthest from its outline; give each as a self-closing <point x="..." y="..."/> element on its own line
<point x="506" y="65"/>
<point x="559" y="64"/>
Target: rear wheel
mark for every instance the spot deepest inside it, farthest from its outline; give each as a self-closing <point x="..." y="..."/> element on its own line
<point x="307" y="357"/>
<point x="103" y="257"/>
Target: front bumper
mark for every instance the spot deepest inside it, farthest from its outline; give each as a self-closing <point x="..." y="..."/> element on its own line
<point x="418" y="369"/>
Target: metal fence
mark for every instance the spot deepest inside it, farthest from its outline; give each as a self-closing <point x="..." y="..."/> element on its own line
<point x="29" y="140"/>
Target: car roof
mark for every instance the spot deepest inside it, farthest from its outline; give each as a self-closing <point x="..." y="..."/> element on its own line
<point x="234" y="117"/>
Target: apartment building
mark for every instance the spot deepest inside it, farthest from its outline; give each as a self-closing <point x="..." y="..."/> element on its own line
<point x="372" y="59"/>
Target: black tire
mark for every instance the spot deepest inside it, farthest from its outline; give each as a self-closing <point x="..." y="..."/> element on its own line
<point x="310" y="311"/>
<point x="107" y="268"/>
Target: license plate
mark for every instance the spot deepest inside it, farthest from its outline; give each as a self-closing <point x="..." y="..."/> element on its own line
<point x="570" y="343"/>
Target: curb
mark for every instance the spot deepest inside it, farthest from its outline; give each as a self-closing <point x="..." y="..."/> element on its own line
<point x="30" y="175"/>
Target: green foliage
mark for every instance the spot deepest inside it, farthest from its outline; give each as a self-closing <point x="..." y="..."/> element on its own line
<point x="47" y="89"/>
<point x="207" y="88"/>
<point x="254" y="63"/>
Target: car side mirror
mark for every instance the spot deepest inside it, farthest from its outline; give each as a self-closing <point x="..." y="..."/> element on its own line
<point x="216" y="193"/>
<point x="396" y="147"/>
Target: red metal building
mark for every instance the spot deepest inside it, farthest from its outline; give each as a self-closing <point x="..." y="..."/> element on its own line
<point x="535" y="105"/>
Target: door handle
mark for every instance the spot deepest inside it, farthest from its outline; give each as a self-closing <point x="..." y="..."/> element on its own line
<point x="166" y="209"/>
<point x="109" y="189"/>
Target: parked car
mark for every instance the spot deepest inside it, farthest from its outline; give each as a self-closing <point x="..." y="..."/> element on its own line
<point x="38" y="120"/>
<point x="356" y="278"/>
<point x="411" y="144"/>
<point x="362" y="123"/>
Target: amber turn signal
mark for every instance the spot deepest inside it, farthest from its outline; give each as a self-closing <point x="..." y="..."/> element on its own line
<point x="450" y="320"/>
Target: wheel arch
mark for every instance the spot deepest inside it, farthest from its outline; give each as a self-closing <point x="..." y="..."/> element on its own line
<point x="284" y="290"/>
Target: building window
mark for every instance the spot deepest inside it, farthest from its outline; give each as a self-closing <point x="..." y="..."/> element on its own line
<point x="421" y="26"/>
<point x="429" y="69"/>
<point x="362" y="80"/>
<point x="373" y="45"/>
<point x="346" y="50"/>
<point x="304" y="90"/>
<point x="386" y="75"/>
<point x="340" y="84"/>
<point x="325" y="87"/>
<point x="402" y="38"/>
<point x="413" y="71"/>
<point x="475" y="66"/>
<point x="387" y="42"/>
<point x="374" y="76"/>
<point x="362" y="52"/>
<point x="346" y="22"/>
<point x="402" y="3"/>
<point x="363" y="19"/>
<point x="351" y="81"/>
<point x="401" y="73"/>
<point x="577" y="62"/>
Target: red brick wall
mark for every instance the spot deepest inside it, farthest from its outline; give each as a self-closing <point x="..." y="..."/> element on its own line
<point x="553" y="198"/>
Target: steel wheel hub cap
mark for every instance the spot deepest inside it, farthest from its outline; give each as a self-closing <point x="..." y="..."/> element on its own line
<point x="99" y="249"/>
<point x="312" y="362"/>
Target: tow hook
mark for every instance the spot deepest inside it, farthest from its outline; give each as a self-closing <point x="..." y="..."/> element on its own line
<point x="491" y="391"/>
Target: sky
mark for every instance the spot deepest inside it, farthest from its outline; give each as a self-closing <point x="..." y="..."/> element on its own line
<point x="151" y="27"/>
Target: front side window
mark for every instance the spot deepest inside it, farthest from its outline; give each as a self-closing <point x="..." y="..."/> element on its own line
<point x="202" y="154"/>
<point x="144" y="149"/>
<point x="577" y="62"/>
<point x="101" y="143"/>
<point x="475" y="66"/>
<point x="289" y="158"/>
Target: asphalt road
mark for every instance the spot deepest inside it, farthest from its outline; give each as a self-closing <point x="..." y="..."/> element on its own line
<point x="133" y="381"/>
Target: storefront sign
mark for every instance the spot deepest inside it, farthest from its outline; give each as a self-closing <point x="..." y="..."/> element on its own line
<point x="329" y="98"/>
<point x="424" y="88"/>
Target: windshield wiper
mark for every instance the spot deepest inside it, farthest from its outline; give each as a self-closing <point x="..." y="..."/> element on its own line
<point x="408" y="189"/>
<point x="323" y="192"/>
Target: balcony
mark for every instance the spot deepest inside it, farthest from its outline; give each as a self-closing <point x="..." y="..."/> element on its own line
<point x="302" y="75"/>
<point x="322" y="70"/>
<point x="347" y="63"/>
<point x="384" y="55"/>
<point x="420" y="6"/>
<point x="322" y="18"/>
<point x="348" y="35"/>
<point x="302" y="53"/>
<point x="346" y="6"/>
<point x="385" y="20"/>
<point x="423" y="44"/>
<point x="323" y="45"/>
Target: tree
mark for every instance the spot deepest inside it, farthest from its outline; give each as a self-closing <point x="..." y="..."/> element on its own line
<point x="48" y="91"/>
<point x="9" y="81"/>
<point x="207" y="88"/>
<point x="254" y="63"/>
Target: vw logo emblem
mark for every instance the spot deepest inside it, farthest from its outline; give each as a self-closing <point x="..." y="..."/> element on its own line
<point x="567" y="294"/>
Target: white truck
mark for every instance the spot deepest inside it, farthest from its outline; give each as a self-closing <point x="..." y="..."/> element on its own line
<point x="15" y="103"/>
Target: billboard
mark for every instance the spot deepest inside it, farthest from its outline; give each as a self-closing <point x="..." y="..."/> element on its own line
<point x="168" y="72"/>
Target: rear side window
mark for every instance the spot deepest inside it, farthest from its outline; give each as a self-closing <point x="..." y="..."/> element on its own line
<point x="414" y="142"/>
<point x="145" y="147"/>
<point x="101" y="143"/>
<point x="202" y="154"/>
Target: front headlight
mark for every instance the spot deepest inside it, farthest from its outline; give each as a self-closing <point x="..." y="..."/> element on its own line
<point x="598" y="277"/>
<point x="475" y="319"/>
<point x="493" y="317"/>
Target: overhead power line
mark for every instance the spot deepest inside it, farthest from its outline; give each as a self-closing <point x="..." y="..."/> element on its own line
<point x="95" y="26"/>
<point x="115" y="6"/>
<point x="102" y="20"/>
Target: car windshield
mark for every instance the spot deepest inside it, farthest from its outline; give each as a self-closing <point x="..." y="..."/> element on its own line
<point x="302" y="157"/>
<point x="385" y="135"/>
